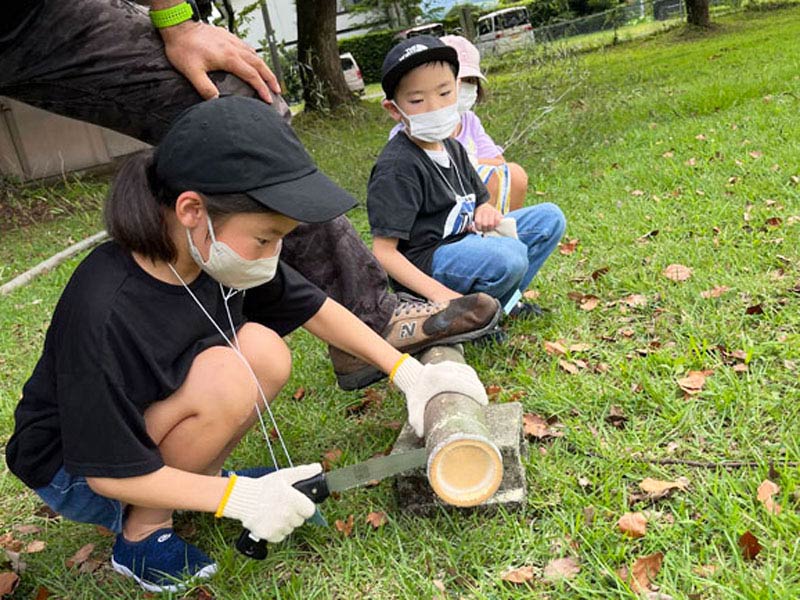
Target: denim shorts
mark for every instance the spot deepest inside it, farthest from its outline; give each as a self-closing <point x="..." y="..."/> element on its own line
<point x="71" y="497"/>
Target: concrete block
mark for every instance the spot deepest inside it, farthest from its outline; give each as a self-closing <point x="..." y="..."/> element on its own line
<point x="414" y="493"/>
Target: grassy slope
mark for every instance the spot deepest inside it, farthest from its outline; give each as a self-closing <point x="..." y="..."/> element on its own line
<point x="594" y="153"/>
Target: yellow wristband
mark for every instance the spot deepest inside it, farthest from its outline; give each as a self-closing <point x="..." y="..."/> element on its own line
<point x="225" y="496"/>
<point x="397" y="366"/>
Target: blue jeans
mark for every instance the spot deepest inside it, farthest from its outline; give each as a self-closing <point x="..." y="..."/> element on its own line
<point x="501" y="267"/>
<point x="71" y="497"/>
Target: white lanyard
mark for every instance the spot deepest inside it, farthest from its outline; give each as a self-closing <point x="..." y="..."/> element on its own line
<point x="235" y="347"/>
<point x="447" y="181"/>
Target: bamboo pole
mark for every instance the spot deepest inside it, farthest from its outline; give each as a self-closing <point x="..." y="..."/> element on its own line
<point x="465" y="467"/>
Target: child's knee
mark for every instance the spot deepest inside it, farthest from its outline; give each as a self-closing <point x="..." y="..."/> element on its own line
<point x="559" y="221"/>
<point x="268" y="355"/>
<point x="519" y="178"/>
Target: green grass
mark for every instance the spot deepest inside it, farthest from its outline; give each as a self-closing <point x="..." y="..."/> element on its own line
<point x="600" y="154"/>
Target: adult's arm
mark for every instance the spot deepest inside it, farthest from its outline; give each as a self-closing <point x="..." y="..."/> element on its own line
<point x="195" y="49"/>
<point x="404" y="271"/>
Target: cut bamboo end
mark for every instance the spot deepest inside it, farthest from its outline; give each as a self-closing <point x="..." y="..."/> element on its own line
<point x="465" y="472"/>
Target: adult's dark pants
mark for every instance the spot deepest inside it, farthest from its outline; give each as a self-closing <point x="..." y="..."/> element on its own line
<point x="101" y="61"/>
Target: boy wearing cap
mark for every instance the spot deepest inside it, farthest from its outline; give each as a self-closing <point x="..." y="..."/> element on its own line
<point x="166" y="344"/>
<point x="434" y="231"/>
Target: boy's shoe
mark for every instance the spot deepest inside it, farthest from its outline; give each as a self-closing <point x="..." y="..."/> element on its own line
<point x="162" y="562"/>
<point x="526" y="310"/>
<point x="417" y="324"/>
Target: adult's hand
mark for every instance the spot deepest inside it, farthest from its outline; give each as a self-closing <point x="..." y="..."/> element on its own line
<point x="195" y="49"/>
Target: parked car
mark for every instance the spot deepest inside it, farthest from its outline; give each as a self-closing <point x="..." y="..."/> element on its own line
<point x="352" y="73"/>
<point x="434" y="29"/>
<point x="504" y="30"/>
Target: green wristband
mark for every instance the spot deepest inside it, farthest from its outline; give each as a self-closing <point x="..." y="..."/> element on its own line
<point x="174" y="15"/>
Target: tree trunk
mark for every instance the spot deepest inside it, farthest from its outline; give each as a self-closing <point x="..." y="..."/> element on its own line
<point x="318" y="56"/>
<point x="697" y="13"/>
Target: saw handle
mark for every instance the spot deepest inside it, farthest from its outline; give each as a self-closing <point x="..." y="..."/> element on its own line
<point x="316" y="488"/>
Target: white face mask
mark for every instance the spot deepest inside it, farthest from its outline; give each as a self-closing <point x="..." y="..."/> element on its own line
<point x="230" y="269"/>
<point x="467" y="97"/>
<point x="433" y="126"/>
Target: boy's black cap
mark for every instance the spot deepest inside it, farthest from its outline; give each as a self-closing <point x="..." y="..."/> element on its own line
<point x="235" y="144"/>
<point x="410" y="54"/>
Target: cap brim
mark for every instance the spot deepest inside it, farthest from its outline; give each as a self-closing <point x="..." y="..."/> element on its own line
<point x="313" y="198"/>
<point x="439" y="53"/>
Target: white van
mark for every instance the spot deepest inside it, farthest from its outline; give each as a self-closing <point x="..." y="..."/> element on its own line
<point x="352" y="74"/>
<point x="504" y="30"/>
<point x="434" y="29"/>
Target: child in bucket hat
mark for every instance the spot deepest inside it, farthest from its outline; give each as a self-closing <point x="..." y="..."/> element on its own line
<point x="165" y="346"/>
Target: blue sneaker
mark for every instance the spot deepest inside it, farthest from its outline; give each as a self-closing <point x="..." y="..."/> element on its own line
<point x="254" y="472"/>
<point x="162" y="562"/>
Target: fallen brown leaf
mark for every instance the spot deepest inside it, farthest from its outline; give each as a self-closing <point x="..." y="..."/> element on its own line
<point x="766" y="491"/>
<point x="677" y="272"/>
<point x="531" y="294"/>
<point x="536" y="426"/>
<point x="27" y="529"/>
<point x="377" y="519"/>
<point x="705" y="570"/>
<point x="694" y="381"/>
<point x="80" y="556"/>
<point x="644" y="571"/>
<point x="634" y="300"/>
<point x="657" y="489"/>
<point x="579" y="347"/>
<point x="330" y="458"/>
<point x="568" y="366"/>
<point x="555" y="348"/>
<point x="8" y="583"/>
<point x="493" y="390"/>
<point x="616" y="417"/>
<point x="715" y="292"/>
<point x="520" y="575"/>
<point x="561" y="568"/>
<point x="35" y="546"/>
<point x="749" y="545"/>
<point x="42" y="593"/>
<point x="345" y="527"/>
<point x="589" y="303"/>
<point x="299" y="393"/>
<point x="633" y="524"/>
<point x="568" y="247"/>
<point x="755" y="309"/>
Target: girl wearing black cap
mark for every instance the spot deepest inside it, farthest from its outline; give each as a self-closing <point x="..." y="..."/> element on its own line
<point x="156" y="362"/>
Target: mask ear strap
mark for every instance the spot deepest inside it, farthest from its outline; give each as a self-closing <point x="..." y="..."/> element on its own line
<point x="211" y="229"/>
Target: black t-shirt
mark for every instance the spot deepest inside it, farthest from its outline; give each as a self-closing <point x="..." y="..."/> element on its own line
<point x="420" y="203"/>
<point x="120" y="340"/>
<point x="16" y="16"/>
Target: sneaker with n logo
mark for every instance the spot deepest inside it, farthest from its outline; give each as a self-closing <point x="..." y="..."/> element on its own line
<point x="416" y="325"/>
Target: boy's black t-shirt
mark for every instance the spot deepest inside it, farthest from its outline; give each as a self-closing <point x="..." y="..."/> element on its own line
<point x="410" y="199"/>
<point x="119" y="341"/>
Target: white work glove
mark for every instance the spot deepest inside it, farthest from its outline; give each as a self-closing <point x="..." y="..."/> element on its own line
<point x="421" y="383"/>
<point x="269" y="506"/>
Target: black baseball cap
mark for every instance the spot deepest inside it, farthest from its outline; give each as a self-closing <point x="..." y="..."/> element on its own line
<point x="411" y="53"/>
<point x="235" y="144"/>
